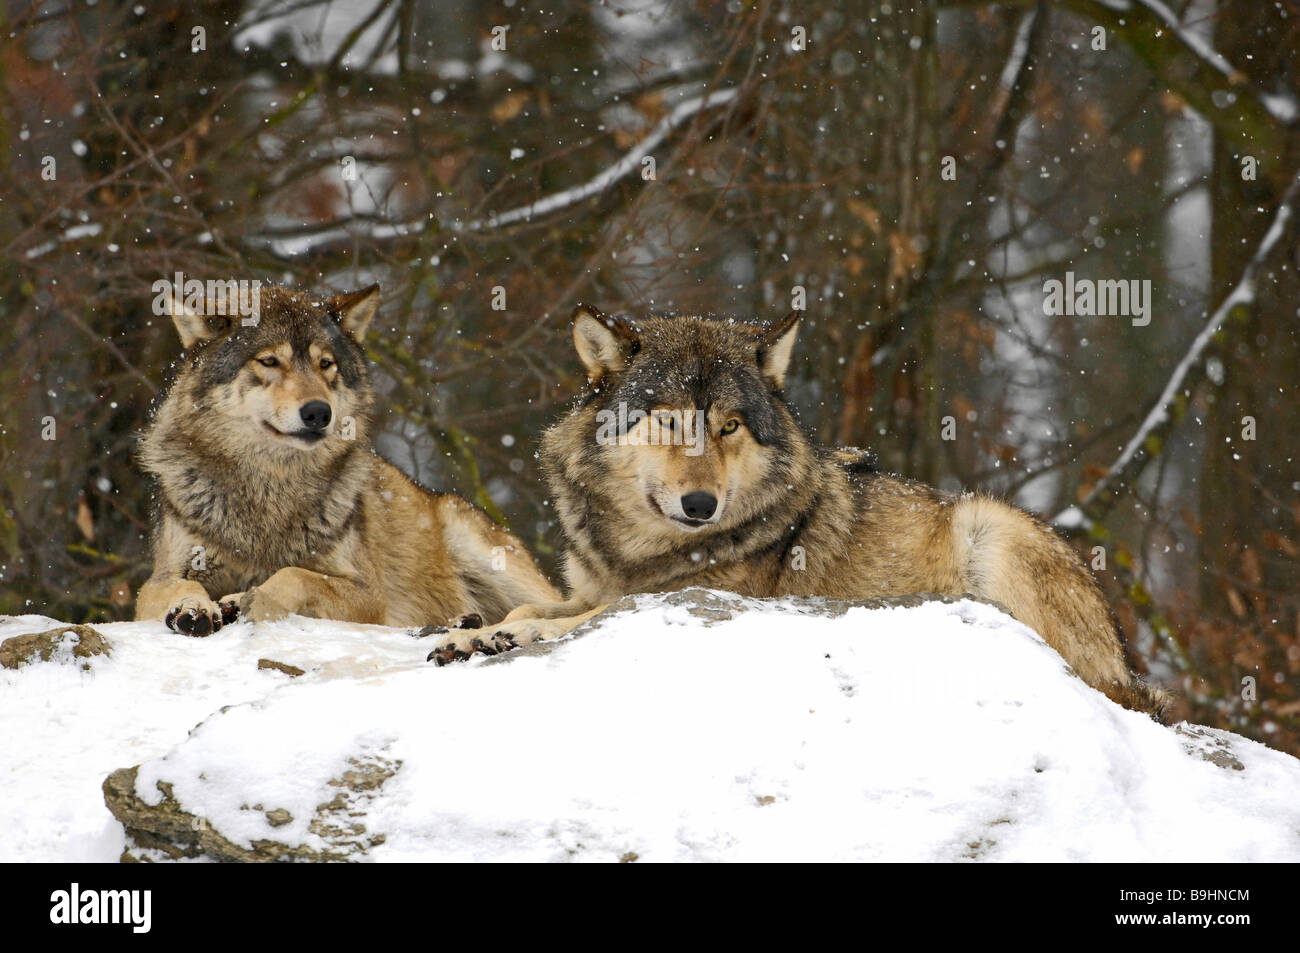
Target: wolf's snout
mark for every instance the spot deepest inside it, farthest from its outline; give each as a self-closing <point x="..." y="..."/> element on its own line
<point x="699" y="505"/>
<point x="315" y="415"/>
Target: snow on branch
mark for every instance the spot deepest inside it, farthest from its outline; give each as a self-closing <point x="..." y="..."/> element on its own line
<point x="629" y="161"/>
<point x="72" y="234"/>
<point x="1281" y="108"/>
<point x="289" y="245"/>
<point x="1019" y="52"/>
<point x="1185" y="377"/>
<point x="294" y="242"/>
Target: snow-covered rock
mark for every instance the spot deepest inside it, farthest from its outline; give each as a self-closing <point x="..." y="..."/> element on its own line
<point x="691" y="726"/>
<point x="63" y="643"/>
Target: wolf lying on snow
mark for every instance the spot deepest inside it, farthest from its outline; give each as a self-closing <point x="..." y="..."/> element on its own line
<point x="269" y="499"/>
<point x="747" y="503"/>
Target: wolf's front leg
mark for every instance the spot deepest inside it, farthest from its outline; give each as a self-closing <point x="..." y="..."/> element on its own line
<point x="523" y="626"/>
<point x="184" y="605"/>
<point x="300" y="591"/>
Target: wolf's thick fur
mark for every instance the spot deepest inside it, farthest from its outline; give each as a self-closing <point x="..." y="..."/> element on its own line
<point x="789" y="518"/>
<point x="267" y="503"/>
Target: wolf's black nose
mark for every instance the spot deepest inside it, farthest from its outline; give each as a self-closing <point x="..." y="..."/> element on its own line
<point x="699" y="505"/>
<point x="315" y="415"/>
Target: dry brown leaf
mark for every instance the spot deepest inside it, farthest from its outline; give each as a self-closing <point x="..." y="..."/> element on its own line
<point x="1279" y="543"/>
<point x="510" y="106"/>
<point x="1236" y="603"/>
<point x="85" y="522"/>
<point x="904" y="257"/>
<point x="1287" y="710"/>
<point x="651" y="105"/>
<point x="448" y="165"/>
<point x="1171" y="102"/>
<point x="1250" y="570"/>
<point x="869" y="215"/>
<point x="1094" y="120"/>
<point x="1006" y="453"/>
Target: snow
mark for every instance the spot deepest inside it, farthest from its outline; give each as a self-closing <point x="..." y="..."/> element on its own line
<point x="942" y="732"/>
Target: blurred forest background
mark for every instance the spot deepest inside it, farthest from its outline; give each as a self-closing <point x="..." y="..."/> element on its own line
<point x="919" y="168"/>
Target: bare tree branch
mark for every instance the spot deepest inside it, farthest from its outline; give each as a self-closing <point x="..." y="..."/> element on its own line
<point x="627" y="163"/>
<point x="1164" y="415"/>
<point x="1257" y="121"/>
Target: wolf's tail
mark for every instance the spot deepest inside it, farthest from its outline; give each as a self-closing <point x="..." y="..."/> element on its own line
<point x="1137" y="695"/>
<point x="1010" y="557"/>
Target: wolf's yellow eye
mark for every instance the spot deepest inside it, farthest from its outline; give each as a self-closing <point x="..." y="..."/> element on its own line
<point x="666" y="419"/>
<point x="730" y="426"/>
<point x="326" y="363"/>
<point x="268" y="361"/>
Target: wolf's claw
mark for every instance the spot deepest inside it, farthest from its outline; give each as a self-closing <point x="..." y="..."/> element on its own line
<point x="456" y="645"/>
<point x="194" y="621"/>
<point x="446" y="655"/>
<point x="229" y="612"/>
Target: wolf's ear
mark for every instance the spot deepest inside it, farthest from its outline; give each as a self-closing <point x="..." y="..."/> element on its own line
<point x="355" y="310"/>
<point x="192" y="324"/>
<point x="775" y="347"/>
<point x="604" y="344"/>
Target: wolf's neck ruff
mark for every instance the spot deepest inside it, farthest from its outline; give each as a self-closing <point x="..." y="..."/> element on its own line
<point x="239" y="502"/>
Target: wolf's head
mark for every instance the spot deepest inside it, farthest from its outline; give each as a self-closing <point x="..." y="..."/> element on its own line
<point x="292" y="382"/>
<point x="687" y="426"/>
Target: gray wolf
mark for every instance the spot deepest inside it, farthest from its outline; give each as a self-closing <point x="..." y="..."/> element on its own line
<point x="764" y="512"/>
<point x="269" y="499"/>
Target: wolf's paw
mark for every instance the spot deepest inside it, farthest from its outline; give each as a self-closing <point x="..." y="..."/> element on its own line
<point x="471" y="620"/>
<point x="460" y="643"/>
<point x="260" y="604"/>
<point x="229" y="606"/>
<point x="196" y="617"/>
